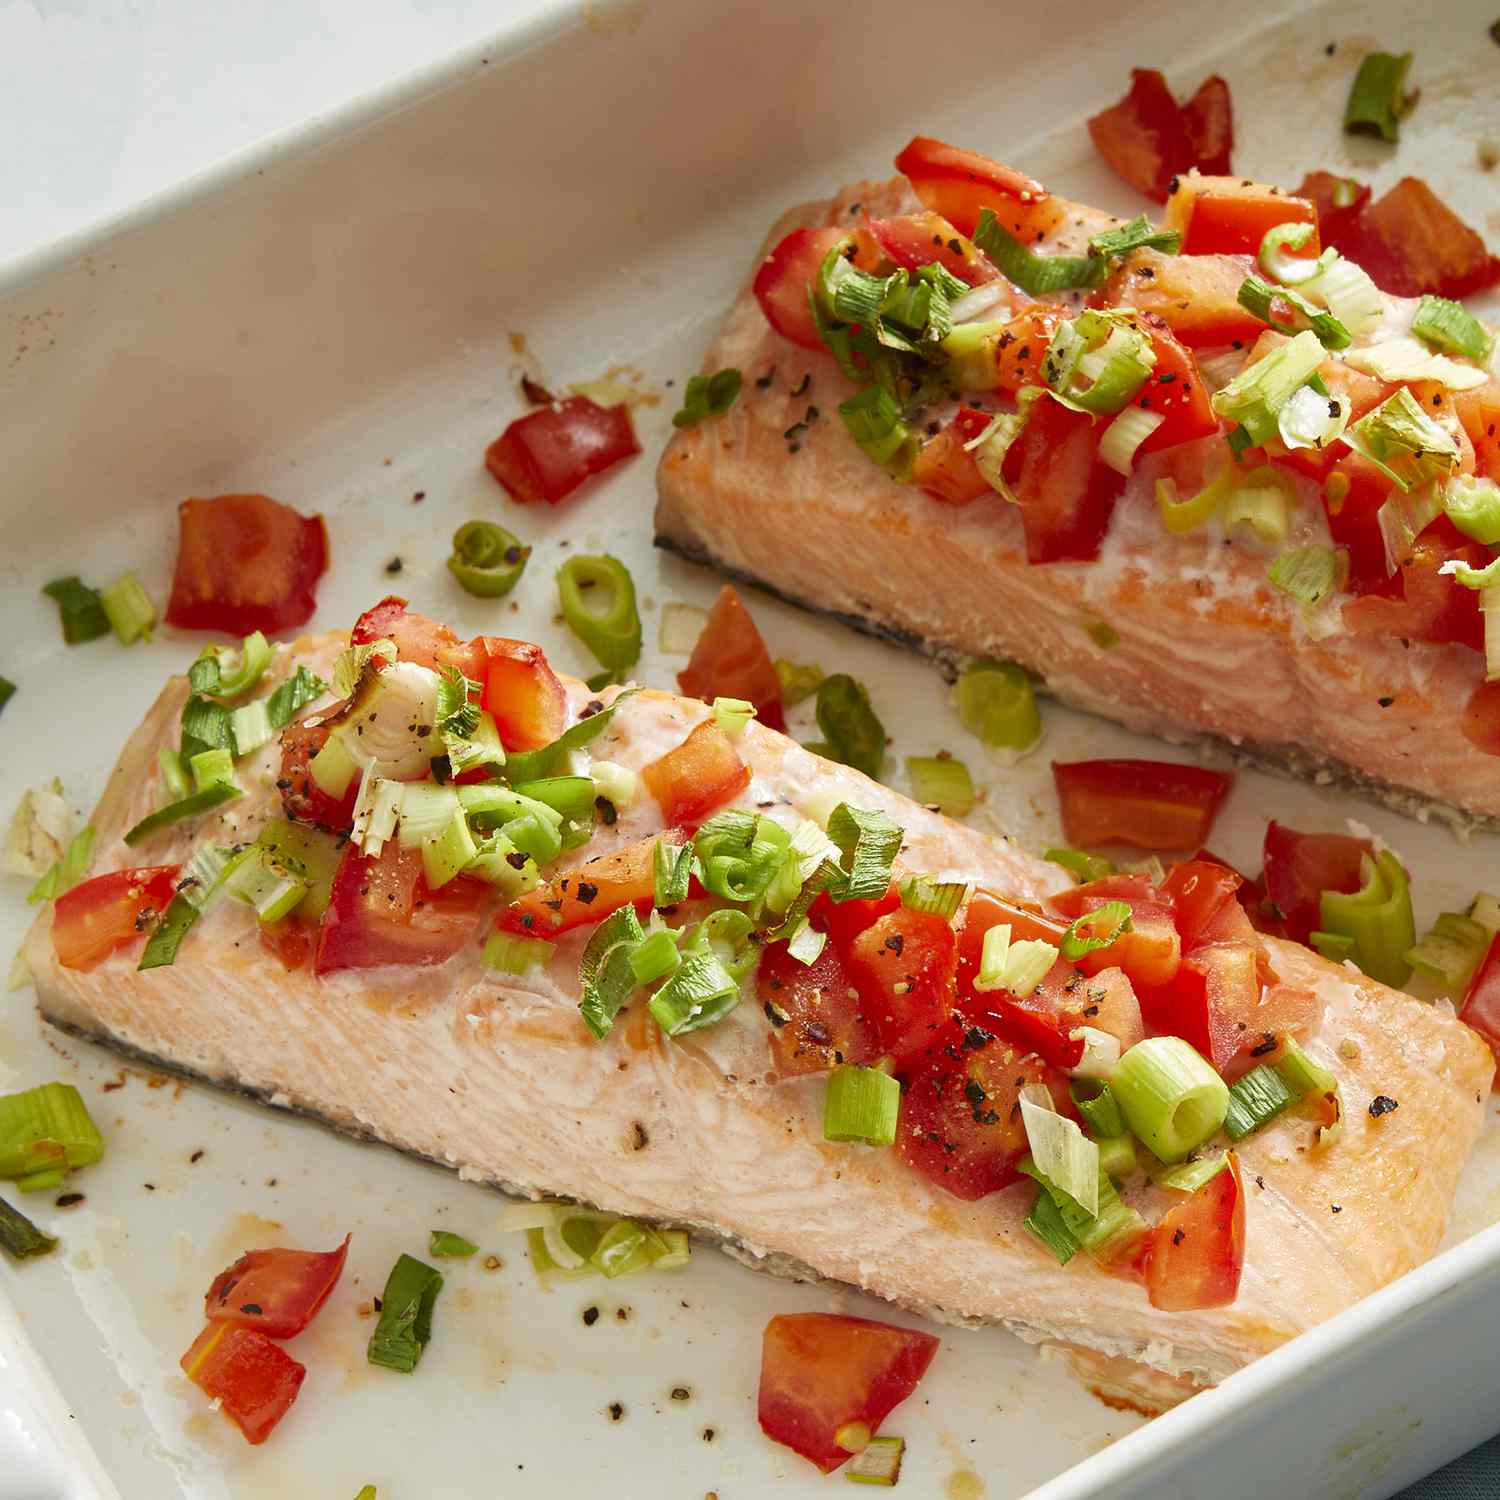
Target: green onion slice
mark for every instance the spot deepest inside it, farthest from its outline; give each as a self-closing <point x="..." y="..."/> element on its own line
<point x="1104" y="1235"/>
<point x="529" y="765"/>
<point x="192" y="806"/>
<point x="1035" y="274"/>
<point x="708" y="396"/>
<point x="1473" y="505"/>
<point x="1170" y="1096"/>
<point x="1189" y="1176"/>
<point x="129" y="608"/>
<point x="1451" y="327"/>
<point x="1097" y="929"/>
<point x="1401" y="440"/>
<point x="1401" y="360"/>
<point x="224" y="673"/>
<point x="862" y="1104"/>
<point x="1260" y="298"/>
<point x="672" y="866"/>
<point x="405" y="1326"/>
<point x="797" y="681"/>
<point x="878" y="1463"/>
<point x="79" y="608"/>
<point x="44" y="1129"/>
<point x="1377" y="919"/>
<point x="937" y="898"/>
<point x="732" y="714"/>
<point x="1377" y="98"/>
<point x="701" y="992"/>
<point x="1060" y="1150"/>
<point x="996" y="702"/>
<point x="487" y="560"/>
<point x="1450" y="952"/>
<point x="1261" y="389"/>
<point x="442" y="1244"/>
<point x="852" y="733"/>
<point x="598" y="602"/>
<point x="605" y="977"/>
<point x="1288" y="269"/>
<point x="1139" y="234"/>
<point x="7" y="691"/>
<point x="1081" y="865"/>
<point x="868" y="842"/>
<point x="68" y="871"/>
<point x="1312" y="419"/>
<point x="1255" y="1100"/>
<point x="1306" y="574"/>
<point x="874" y="420"/>
<point x="19" y="1237"/>
<point x="1016" y="967"/>
<point x="1046" y="1222"/>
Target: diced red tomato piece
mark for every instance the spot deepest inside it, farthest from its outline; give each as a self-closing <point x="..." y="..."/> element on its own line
<point x="1021" y="345"/>
<point x="550" y="452"/>
<point x="1281" y="1010"/>
<point x="1479" y="412"/>
<point x="1411" y="242"/>
<point x="1299" y="867"/>
<point x="903" y="967"/>
<point x="917" y="240"/>
<point x="1066" y="496"/>
<point x="1230" y="216"/>
<point x="1144" y="137"/>
<point x="1209" y="119"/>
<point x="109" y="912"/>
<point x="291" y="940"/>
<point x="303" y="800"/>
<point x="244" y="563"/>
<point x="730" y="660"/>
<point x="1340" y="202"/>
<point x="1481" y="720"/>
<point x="382" y="912"/>
<point x="693" y="778"/>
<point x="587" y="895"/>
<point x="787" y="276"/>
<point x="1197" y="1252"/>
<point x="1355" y="519"/>
<point x="945" y="469"/>
<point x="843" y="921"/>
<point x="1481" y="1007"/>
<point x="1150" y="952"/>
<point x="961" y="1126"/>
<point x="960" y="184"/>
<point x="822" y="1372"/>
<point x="278" y="1292"/>
<point x="1209" y="1001"/>
<point x="1196" y="295"/>
<point x="1198" y="890"/>
<point x="1353" y="493"/>
<point x="522" y="692"/>
<point x="254" y="1380"/>
<point x="1150" y="804"/>
<point x="817" y="1018"/>
<point x="1174" y="391"/>
<point x="417" y="638"/>
<point x="1421" y="603"/>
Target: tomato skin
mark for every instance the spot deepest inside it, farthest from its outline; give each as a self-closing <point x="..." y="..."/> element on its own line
<point x="1299" y="867"/>
<point x="244" y="563"/>
<point x="1066" y="496"/>
<point x="945" y="469"/>
<point x="903" y="967"/>
<point x="623" y="877"/>
<point x="1481" y="1007"/>
<point x="1481" y="720"/>
<point x="1196" y="1254"/>
<point x="815" y="1024"/>
<point x="550" y="452"/>
<point x="1209" y="119"/>
<point x="285" y="1289"/>
<point x="1209" y="1001"/>
<point x="302" y="799"/>
<point x="730" y="660"/>
<point x="254" y="1380"/>
<point x="960" y="184"/>
<point x="1174" y="390"/>
<point x="823" y="1371"/>
<point x="1420" y="602"/>
<point x="1230" y="216"/>
<point x="693" y="778"/>
<point x="522" y="692"/>
<point x="291" y="940"/>
<point x="1411" y="242"/>
<point x="109" y="912"/>
<point x="843" y="921"/>
<point x="1337" y="224"/>
<point x="1149" y="804"/>
<point x="381" y="912"/>
<point x="1144" y="137"/>
<point x="787" y="276"/>
<point x="1197" y="296"/>
<point x="418" y="638"/>
<point x="1198" y="890"/>
<point x="917" y="240"/>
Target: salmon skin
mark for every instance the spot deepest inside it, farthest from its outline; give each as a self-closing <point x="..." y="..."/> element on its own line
<point x="497" y="1077"/>
<point x="1206" y="651"/>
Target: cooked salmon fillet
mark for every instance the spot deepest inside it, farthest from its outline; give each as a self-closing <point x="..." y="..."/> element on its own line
<point x="1206" y="648"/>
<point x="497" y="1077"/>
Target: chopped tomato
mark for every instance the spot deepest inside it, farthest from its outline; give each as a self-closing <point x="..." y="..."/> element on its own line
<point x="1359" y="394"/>
<point x="1353" y="493"/>
<point x="1299" y="867"/>
<point x="1197" y="1252"/>
<point x="960" y="184"/>
<point x="843" y="921"/>
<point x="1022" y="343"/>
<point x="945" y="468"/>
<point x="961" y="1124"/>
<point x="1340" y="202"/>
<point x="108" y="912"/>
<point x="917" y="240"/>
<point x="599" y="886"/>
<point x="1481" y="1007"/>
<point x="1150" y="951"/>
<point x="254" y="1380"/>
<point x="1144" y="137"/>
<point x="1481" y="720"/>
<point x="816" y="1022"/>
<point x="903" y="966"/>
<point x="730" y="660"/>
<point x="549" y="452"/>
<point x="1199" y="890"/>
<point x="291" y="940"/>
<point x="1280" y="1010"/>
<point x="1209" y="118"/>
<point x="1150" y="804"/>
<point x="1479" y="412"/>
<point x="417" y="638"/>
<point x="303" y="800"/>
<point x="786" y="278"/>
<point x="1174" y="391"/>
<point x="1196" y="295"/>
<point x="823" y="1372"/>
<point x="1230" y="215"/>
<point x="244" y="563"/>
<point x="1411" y="242"/>
<point x="382" y="912"/>
<point x="695" y="777"/>
<point x="1209" y="1000"/>
<point x="278" y="1292"/>
<point x="1422" y="603"/>
<point x="1066" y="496"/>
<point x="522" y="692"/>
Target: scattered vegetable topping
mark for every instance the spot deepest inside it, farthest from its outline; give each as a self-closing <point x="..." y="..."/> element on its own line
<point x="19" y="1237"/>
<point x="405" y="1325"/>
<point x="1150" y="140"/>
<point x="852" y="734"/>
<point x="45" y="1133"/>
<point x="444" y="1245"/>
<point x="598" y="602"/>
<point x="1378" y="100"/>
<point x="997" y="702"/>
<point x="942" y="782"/>
<point x="730" y="660"/>
<point x="80" y="609"/>
<point x="253" y="1380"/>
<point x="708" y="396"/>
<point x="487" y="559"/>
<point x="550" y="452"/>
<point x="1150" y="804"/>
<point x="278" y="1292"/>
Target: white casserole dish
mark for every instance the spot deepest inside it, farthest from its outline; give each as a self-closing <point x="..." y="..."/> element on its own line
<point x="329" y="321"/>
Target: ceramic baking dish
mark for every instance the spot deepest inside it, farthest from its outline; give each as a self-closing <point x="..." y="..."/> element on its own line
<point x="339" y="320"/>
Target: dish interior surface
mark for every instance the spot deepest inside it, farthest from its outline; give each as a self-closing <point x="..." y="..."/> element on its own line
<point x="344" y="327"/>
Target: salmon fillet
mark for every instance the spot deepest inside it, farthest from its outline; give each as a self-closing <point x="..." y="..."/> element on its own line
<point x="1207" y="649"/>
<point x="497" y="1077"/>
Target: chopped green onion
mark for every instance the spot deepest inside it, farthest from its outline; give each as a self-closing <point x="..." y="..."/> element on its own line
<point x="656" y="957"/>
<point x="425" y="810"/>
<point x="1097" y="929"/>
<point x="598" y="602"/>
<point x="1260" y="390"/>
<point x="1306" y="574"/>
<point x="568" y="796"/>
<point x="868" y="842"/>
<point x="992" y="445"/>
<point x="1256" y="1099"/>
<point x="206" y="725"/>
<point x="852" y="733"/>
<point x="481" y="747"/>
<point x="1486" y="911"/>
<point x="68" y="871"/>
<point x="1189" y="1176"/>
<point x="708" y="396"/>
<point x="806" y="943"/>
<point x="1117" y="1158"/>
<point x="1081" y="866"/>
<point x="1114" y="358"/>
<point x="797" y="681"/>
<point x="1377" y="98"/>
<point x="367" y="1493"/>
<point x="1105" y="1235"/>
<point x="1095" y="1101"/>
<point x="1377" y="917"/>
<point x="510" y="954"/>
<point x="7" y="691"/>
<point x="44" y="1129"/>
<point x="1124" y="436"/>
<point x="625" y="1248"/>
<point x="732" y="714"/>
<point x="1451" y="951"/>
<point x="351" y="666"/>
<point x="1180" y="516"/>
<point x="405" y="1326"/>
<point x="1260" y="297"/>
<point x="1170" y="1096"/>
<point x="80" y="609"/>
<point x="307" y="852"/>
<point x="673" y="868"/>
<point x="862" y="1104"/>
<point x="873" y="418"/>
<point x="19" y="1237"/>
<point x="1262" y="502"/>
<point x="293" y="695"/>
<point x="447" y="854"/>
<point x="201" y="884"/>
<point x="1348" y="292"/>
<point x="1016" y="967"/>
<point x="250" y="727"/>
<point x="1312" y="419"/>
<point x="1399" y="360"/>
<point x="605" y="978"/>
<point x="39" y="832"/>
<point x="129" y="608"/>
<point x="529" y="765"/>
<point x="1035" y="274"/>
<point x="1332" y="945"/>
<point x="1060" y="1150"/>
<point x="937" y="898"/>
<point x="700" y="993"/>
<point x="1401" y="440"/>
<point x="1045" y="1221"/>
<point x="487" y="560"/>
<point x="223" y="673"/>
<point x="185" y="807"/>
<point x="1138" y="234"/>
<point x="878" y="1463"/>
<point x="456" y="714"/>
<point x="1473" y="505"/>
<point x="996" y="702"/>
<point x="259" y="881"/>
<point x="173" y="772"/>
<point x="444" y="1245"/>
<point x="1451" y="327"/>
<point x="1288" y="269"/>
